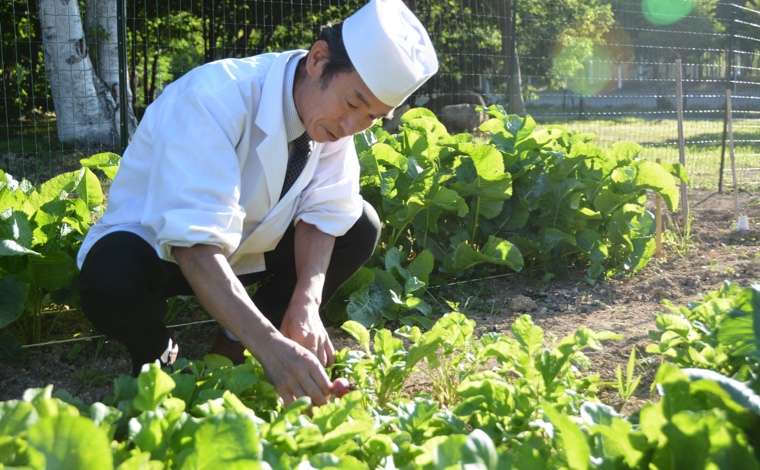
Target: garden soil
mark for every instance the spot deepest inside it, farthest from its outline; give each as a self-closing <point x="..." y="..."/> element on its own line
<point x="693" y="262"/>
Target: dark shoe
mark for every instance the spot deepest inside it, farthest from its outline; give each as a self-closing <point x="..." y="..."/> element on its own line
<point x="224" y="346"/>
<point x="166" y="358"/>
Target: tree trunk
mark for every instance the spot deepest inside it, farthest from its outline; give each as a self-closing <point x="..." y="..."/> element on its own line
<point x="153" y="77"/>
<point x="516" y="100"/>
<point x="102" y="33"/>
<point x="83" y="115"/>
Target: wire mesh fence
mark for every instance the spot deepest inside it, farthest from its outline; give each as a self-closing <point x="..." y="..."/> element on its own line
<point x="626" y="89"/>
<point x="78" y="75"/>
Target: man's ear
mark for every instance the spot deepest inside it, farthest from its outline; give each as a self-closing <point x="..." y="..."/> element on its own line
<point x="317" y="59"/>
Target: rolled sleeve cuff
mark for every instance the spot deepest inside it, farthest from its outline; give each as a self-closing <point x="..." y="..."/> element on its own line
<point x="333" y="219"/>
<point x="187" y="227"/>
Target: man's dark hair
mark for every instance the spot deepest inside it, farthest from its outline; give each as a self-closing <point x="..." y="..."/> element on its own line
<point x="338" y="60"/>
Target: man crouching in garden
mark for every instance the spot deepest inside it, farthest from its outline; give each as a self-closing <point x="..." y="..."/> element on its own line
<point x="245" y="170"/>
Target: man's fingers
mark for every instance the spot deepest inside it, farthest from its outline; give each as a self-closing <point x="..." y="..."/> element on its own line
<point x="291" y="393"/>
<point x="318" y="398"/>
<point x="326" y="351"/>
<point x="286" y="396"/>
<point x="321" y="347"/>
<point x="321" y="355"/>
<point x="310" y="380"/>
<point x="313" y="384"/>
<point x="323" y="384"/>
<point x="303" y="374"/>
<point x="314" y="347"/>
<point x="330" y="349"/>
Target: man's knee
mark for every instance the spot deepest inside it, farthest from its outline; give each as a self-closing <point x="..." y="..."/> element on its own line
<point x="116" y="265"/>
<point x="120" y="282"/>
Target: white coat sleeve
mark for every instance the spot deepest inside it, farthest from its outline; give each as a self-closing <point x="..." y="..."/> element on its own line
<point x="194" y="181"/>
<point x="331" y="201"/>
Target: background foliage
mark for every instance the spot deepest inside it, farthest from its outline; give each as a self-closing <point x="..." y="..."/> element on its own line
<point x="608" y="63"/>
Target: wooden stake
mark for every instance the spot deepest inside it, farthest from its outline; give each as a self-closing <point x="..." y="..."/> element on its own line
<point x="658" y="222"/>
<point x="731" y="152"/>
<point x="681" y="141"/>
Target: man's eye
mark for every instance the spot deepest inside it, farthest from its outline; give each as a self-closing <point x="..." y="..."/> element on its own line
<point x="351" y="105"/>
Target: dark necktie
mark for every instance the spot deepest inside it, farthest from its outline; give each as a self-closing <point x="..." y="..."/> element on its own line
<point x="296" y="161"/>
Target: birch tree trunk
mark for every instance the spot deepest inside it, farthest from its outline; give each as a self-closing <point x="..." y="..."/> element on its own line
<point x="84" y="108"/>
<point x="101" y="31"/>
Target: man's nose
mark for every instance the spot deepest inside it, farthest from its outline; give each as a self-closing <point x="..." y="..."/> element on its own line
<point x="348" y="124"/>
<point x="353" y="124"/>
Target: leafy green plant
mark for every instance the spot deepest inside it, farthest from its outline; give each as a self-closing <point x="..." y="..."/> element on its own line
<point x="666" y="433"/>
<point x="521" y="196"/>
<point x="385" y="369"/>
<point x="376" y="295"/>
<point x="458" y="356"/>
<point x="626" y="386"/>
<point x="434" y="190"/>
<point x="679" y="240"/>
<point x="457" y="364"/>
<point x="716" y="332"/>
<point x="528" y="409"/>
<point x="574" y="203"/>
<point x="40" y="232"/>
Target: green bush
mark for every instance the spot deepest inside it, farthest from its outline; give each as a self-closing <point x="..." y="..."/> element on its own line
<point x="518" y="197"/>
<point x="41" y="229"/>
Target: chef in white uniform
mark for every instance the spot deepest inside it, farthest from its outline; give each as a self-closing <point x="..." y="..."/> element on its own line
<point x="200" y="204"/>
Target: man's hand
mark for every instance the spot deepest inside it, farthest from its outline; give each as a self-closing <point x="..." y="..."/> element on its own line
<point x="304" y="326"/>
<point x="293" y="370"/>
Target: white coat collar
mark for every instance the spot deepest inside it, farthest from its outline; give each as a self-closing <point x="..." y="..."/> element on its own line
<point x="293" y="125"/>
<point x="271" y="120"/>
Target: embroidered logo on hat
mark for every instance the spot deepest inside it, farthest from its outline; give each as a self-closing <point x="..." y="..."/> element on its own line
<point x="408" y="38"/>
<point x="390" y="49"/>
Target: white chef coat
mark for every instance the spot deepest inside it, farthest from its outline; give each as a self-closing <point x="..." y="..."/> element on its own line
<point x="207" y="164"/>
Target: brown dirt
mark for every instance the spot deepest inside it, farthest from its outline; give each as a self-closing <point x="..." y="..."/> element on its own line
<point x="691" y="266"/>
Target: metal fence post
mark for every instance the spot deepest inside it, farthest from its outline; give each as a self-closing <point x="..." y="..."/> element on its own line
<point x="512" y="56"/>
<point x="681" y="140"/>
<point x="121" y="32"/>
<point x="729" y="79"/>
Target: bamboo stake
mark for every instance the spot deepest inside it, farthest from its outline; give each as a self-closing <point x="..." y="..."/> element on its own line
<point x="681" y="140"/>
<point x="729" y="120"/>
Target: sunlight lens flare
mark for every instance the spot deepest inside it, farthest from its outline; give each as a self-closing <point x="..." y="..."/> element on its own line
<point x="665" y="12"/>
<point x="590" y="67"/>
<point x="587" y="67"/>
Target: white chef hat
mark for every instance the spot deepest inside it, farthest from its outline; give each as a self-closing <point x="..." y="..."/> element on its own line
<point x="390" y="49"/>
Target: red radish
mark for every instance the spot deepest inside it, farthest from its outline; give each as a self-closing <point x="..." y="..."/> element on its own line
<point x="340" y="387"/>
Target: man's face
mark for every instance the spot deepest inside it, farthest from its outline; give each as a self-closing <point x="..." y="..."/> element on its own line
<point x="337" y="107"/>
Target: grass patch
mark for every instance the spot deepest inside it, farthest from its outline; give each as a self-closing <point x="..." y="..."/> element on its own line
<point x="703" y="145"/>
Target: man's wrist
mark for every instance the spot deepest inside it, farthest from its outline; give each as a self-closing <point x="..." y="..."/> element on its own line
<point x="306" y="299"/>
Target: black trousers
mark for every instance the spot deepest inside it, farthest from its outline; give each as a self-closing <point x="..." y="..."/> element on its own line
<point x="124" y="285"/>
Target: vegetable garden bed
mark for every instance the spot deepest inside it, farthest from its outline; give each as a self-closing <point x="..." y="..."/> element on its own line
<point x="513" y="375"/>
